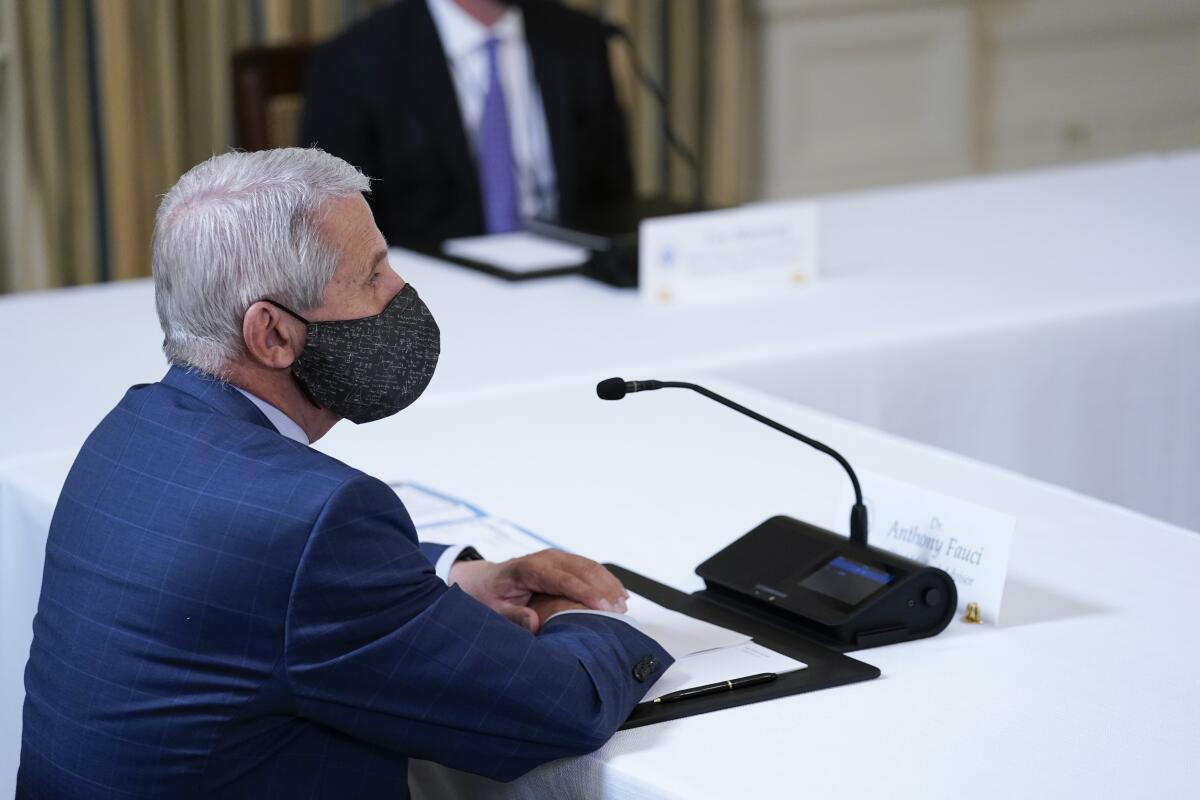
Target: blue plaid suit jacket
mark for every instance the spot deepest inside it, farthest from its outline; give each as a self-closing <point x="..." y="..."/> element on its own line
<point x="226" y="612"/>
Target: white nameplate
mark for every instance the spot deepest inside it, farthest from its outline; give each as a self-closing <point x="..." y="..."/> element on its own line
<point x="742" y="253"/>
<point x="970" y="542"/>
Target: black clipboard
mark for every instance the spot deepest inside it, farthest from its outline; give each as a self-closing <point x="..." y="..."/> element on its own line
<point x="826" y="668"/>
<point x="435" y="251"/>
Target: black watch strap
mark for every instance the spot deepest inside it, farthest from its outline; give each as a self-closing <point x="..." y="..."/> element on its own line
<point x="468" y="554"/>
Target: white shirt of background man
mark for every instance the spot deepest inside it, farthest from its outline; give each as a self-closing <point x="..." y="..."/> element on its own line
<point x="464" y="41"/>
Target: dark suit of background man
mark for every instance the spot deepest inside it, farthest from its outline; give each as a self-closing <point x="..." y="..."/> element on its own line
<point x="407" y="96"/>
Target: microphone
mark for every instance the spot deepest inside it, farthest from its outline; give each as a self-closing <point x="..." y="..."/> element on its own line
<point x="614" y="31"/>
<point x="617" y="388"/>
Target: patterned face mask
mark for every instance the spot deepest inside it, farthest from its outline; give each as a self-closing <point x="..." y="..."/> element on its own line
<point x="369" y="368"/>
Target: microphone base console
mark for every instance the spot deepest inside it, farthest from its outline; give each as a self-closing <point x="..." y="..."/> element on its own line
<point x="815" y="582"/>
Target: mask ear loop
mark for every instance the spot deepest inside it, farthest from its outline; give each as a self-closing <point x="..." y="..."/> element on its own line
<point x="299" y="383"/>
<point x="282" y="307"/>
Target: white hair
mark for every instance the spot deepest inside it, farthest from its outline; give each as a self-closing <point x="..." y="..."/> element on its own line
<point x="234" y="230"/>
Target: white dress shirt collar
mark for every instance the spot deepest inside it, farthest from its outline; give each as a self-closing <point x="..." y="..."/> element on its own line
<point x="282" y="422"/>
<point x="462" y="34"/>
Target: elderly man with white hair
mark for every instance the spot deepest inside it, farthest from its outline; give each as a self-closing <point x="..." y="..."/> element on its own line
<point x="226" y="611"/>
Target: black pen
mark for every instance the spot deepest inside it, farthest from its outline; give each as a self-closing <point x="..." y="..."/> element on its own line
<point x="714" y="688"/>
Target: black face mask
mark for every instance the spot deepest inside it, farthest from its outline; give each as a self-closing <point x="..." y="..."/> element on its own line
<point x="369" y="368"/>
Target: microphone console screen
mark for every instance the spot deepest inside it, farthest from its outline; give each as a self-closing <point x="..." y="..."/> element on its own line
<point x="846" y="580"/>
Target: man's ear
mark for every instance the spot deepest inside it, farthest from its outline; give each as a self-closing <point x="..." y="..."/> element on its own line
<point x="273" y="339"/>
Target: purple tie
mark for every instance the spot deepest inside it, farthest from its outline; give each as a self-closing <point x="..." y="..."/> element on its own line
<point x="497" y="173"/>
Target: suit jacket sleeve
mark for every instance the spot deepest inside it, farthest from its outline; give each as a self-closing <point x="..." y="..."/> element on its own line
<point x="380" y="649"/>
<point x="432" y="551"/>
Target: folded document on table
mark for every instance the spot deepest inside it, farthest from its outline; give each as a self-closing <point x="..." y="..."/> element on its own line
<point x="704" y="653"/>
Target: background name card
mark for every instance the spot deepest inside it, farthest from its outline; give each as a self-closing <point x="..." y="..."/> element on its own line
<point x="758" y="250"/>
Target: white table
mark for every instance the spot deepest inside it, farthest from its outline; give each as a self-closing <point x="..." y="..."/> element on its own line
<point x="1088" y="688"/>
<point x="1047" y="322"/>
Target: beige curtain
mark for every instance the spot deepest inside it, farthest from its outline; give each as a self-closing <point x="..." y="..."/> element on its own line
<point x="23" y="263"/>
<point x="696" y="50"/>
<point x="122" y="96"/>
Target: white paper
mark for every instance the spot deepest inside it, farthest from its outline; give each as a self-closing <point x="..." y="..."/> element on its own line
<point x="970" y="542"/>
<point x="679" y="634"/>
<point x="495" y="539"/>
<point x="756" y="251"/>
<point x="427" y="507"/>
<point x="714" y="666"/>
<point x="520" y="251"/>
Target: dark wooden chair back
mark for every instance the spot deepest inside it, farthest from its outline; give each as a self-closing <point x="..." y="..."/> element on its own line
<point x="268" y="95"/>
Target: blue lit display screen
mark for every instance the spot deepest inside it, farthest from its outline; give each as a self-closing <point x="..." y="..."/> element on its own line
<point x="847" y="581"/>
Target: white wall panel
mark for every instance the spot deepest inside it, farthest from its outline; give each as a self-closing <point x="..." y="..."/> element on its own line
<point x="864" y="92"/>
<point x="853" y="100"/>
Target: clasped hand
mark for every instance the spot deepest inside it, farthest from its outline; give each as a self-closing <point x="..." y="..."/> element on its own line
<point x="531" y="589"/>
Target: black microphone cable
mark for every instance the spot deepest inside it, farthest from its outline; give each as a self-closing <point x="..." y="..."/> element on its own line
<point x="613" y="30"/>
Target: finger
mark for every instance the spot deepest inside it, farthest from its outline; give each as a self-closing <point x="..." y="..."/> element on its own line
<point x="524" y="616"/>
<point x="547" y="578"/>
<point x="595" y="574"/>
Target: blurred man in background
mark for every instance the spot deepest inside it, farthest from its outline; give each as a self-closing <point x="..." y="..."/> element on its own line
<point x="472" y="114"/>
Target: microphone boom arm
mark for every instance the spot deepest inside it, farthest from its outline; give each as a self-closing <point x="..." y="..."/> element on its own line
<point x="858" y="514"/>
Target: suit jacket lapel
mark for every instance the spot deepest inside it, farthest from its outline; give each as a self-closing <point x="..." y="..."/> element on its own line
<point x="421" y="63"/>
<point x="549" y="67"/>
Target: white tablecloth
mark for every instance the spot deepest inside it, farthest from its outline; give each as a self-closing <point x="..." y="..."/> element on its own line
<point x="1046" y="322"/>
<point x="1086" y="689"/>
